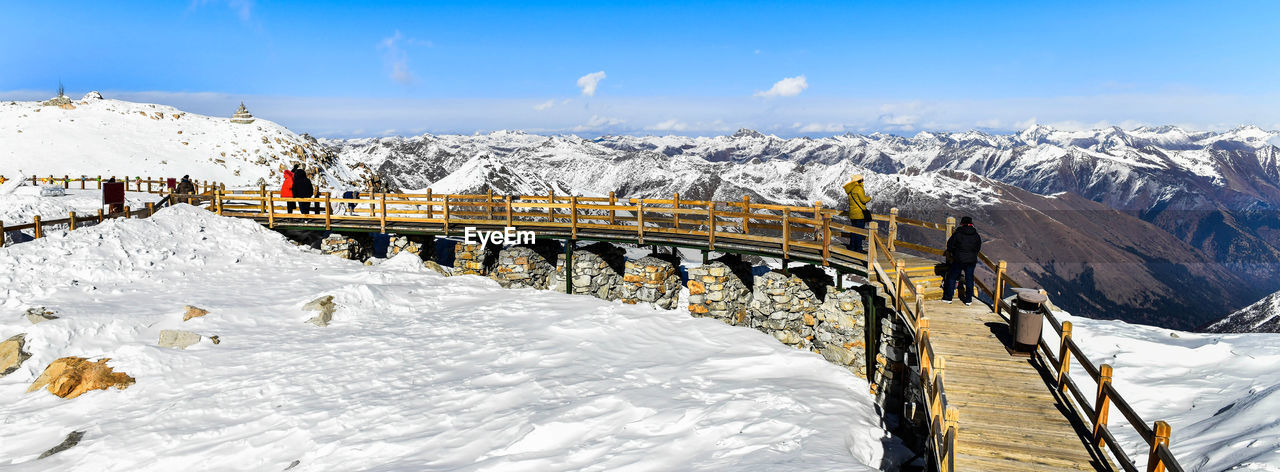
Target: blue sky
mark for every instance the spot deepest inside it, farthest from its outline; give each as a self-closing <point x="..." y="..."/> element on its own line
<point x="795" y="68"/>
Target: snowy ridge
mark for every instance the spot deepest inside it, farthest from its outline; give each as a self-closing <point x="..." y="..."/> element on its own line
<point x="113" y="137"/>
<point x="1260" y="317"/>
<point x="416" y="371"/>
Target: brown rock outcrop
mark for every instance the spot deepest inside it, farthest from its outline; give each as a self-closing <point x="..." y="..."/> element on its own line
<point x="11" y="354"/>
<point x="69" y="377"/>
<point x="194" y="312"/>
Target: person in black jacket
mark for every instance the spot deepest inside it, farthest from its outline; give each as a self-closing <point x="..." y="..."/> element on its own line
<point x="962" y="254"/>
<point x="302" y="189"/>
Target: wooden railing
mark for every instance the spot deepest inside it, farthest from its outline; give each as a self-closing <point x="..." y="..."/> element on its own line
<point x="39" y="224"/>
<point x="907" y="298"/>
<point x="791" y="232"/>
<point x="1095" y="412"/>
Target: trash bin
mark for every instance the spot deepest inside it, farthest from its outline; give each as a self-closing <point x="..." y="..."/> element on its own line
<point x="1028" y="320"/>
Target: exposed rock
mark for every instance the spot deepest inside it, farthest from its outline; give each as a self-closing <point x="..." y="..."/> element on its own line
<point x="344" y="246"/>
<point x="11" y="354"/>
<point x="325" y="306"/>
<point x="193" y="312"/>
<point x="52" y="191"/>
<point x="40" y="314"/>
<point x="72" y="439"/>
<point x="94" y="95"/>
<point x="69" y="377"/>
<point x="445" y="271"/>
<point x="176" y="338"/>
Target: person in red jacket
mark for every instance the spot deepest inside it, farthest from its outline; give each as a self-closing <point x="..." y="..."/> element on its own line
<point x="286" y="188"/>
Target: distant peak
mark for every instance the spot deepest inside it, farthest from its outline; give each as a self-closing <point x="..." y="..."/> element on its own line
<point x="747" y="133"/>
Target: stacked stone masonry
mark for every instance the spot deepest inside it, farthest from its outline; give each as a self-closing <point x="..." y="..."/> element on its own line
<point x="596" y="271"/>
<point x="521" y="266"/>
<point x="651" y="280"/>
<point x="469" y="258"/>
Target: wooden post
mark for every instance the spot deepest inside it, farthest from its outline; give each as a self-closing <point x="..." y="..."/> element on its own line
<point x="430" y="206"/>
<point x="1102" y="404"/>
<point x="99" y="181"/>
<point x="920" y="301"/>
<point x="675" y="207"/>
<point x="82" y="179"/>
<point x="936" y="364"/>
<point x="33" y="180"/>
<point x="746" y="214"/>
<point x="573" y="216"/>
<point x="66" y="181"/>
<point x="817" y="215"/>
<point x="826" y="240"/>
<point x="128" y="212"/>
<point x="262" y="192"/>
<point x="382" y="222"/>
<point x="1161" y="433"/>
<point x="711" y="225"/>
<point x="953" y="430"/>
<point x="148" y="184"/>
<point x="551" y="200"/>
<point x="640" y="220"/>
<point x="1" y="233"/>
<point x="999" y="288"/>
<point x="446" y="214"/>
<point x="100" y="215"/>
<point x="217" y="200"/>
<point x="1064" y="357"/>
<point x="39" y="229"/>
<point x="508" y="198"/>
<point x="951" y="227"/>
<point x="72" y="224"/>
<point x="328" y="213"/>
<point x="612" y="213"/>
<point x="872" y="228"/>
<point x="151" y="209"/>
<point x="893" y="229"/>
<point x="898" y="266"/>
<point x="271" y="210"/>
<point x="786" y="232"/>
<point x="488" y="206"/>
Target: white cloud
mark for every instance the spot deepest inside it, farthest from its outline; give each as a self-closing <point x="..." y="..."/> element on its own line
<point x="598" y="123"/>
<point x="788" y="87"/>
<point x="819" y="128"/>
<point x="989" y="124"/>
<point x="544" y="105"/>
<point x="669" y="125"/>
<point x="898" y="122"/>
<point x="1028" y="123"/>
<point x="398" y="59"/>
<point x="589" y="82"/>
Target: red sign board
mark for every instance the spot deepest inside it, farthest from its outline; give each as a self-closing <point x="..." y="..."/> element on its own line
<point x="113" y="193"/>
<point x="172" y="183"/>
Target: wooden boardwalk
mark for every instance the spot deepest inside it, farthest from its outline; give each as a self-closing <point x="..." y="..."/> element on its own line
<point x="1012" y="419"/>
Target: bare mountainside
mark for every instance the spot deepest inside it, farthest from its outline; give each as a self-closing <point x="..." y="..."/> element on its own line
<point x="1155" y="225"/>
<point x="1260" y="317"/>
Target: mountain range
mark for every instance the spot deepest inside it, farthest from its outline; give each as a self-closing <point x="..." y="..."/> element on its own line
<point x="1160" y="225"/>
<point x="1157" y="225"/>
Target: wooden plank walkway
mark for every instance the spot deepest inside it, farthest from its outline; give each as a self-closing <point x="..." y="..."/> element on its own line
<point x="1011" y="418"/>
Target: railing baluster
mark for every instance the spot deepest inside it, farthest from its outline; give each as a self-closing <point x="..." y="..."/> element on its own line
<point x="826" y="241"/>
<point x="72" y="224"/>
<point x="382" y="222"/>
<point x="613" y="201"/>
<point x="430" y="206"/>
<point x="872" y="228"/>
<point x="640" y="220"/>
<point x="573" y="216"/>
<point x="675" y="210"/>
<point x="1101" y="405"/>
<point x="786" y="232"/>
<point x="1162" y="431"/>
<point x="893" y="229"/>
<point x="711" y="226"/>
<point x="328" y="213"/>
<point x="746" y="214"/>
<point x="998" y="291"/>
<point x="1064" y="357"/>
<point x="508" y="210"/>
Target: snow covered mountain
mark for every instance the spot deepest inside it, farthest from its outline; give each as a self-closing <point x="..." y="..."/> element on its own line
<point x="1260" y="317"/>
<point x="111" y="137"/>
<point x="1186" y="219"/>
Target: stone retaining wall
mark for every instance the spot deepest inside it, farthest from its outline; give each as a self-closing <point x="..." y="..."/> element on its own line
<point x="596" y="271"/>
<point x="650" y="280"/>
<point x="470" y="259"/>
<point x="716" y="291"/>
<point x="521" y="266"/>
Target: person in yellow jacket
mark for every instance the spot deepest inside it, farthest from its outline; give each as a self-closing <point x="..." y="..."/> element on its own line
<point x="859" y="215"/>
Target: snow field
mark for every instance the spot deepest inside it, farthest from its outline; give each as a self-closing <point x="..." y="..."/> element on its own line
<point x="1219" y="393"/>
<point x="416" y="372"/>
